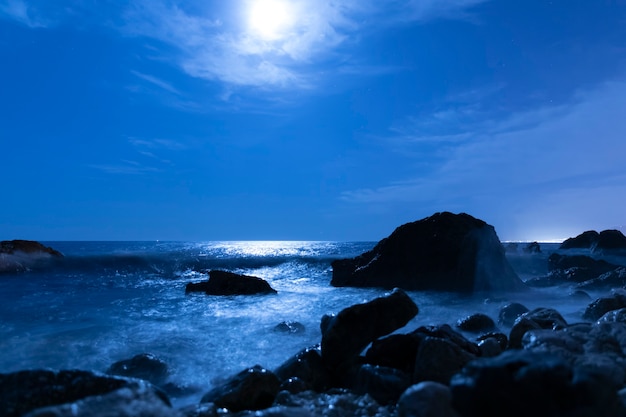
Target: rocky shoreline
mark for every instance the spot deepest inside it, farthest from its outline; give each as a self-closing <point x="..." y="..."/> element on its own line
<point x="368" y="363"/>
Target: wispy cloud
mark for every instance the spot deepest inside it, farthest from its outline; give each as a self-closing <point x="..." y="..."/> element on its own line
<point x="22" y="12"/>
<point x="157" y="81"/>
<point x="574" y="146"/>
<point x="222" y="48"/>
<point x="125" y="168"/>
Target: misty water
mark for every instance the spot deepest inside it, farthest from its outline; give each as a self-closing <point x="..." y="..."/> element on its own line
<point x="107" y="301"/>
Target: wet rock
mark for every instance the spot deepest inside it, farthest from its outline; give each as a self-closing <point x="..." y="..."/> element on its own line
<point x="26" y="391"/>
<point x="584" y="240"/>
<point x="539" y="318"/>
<point x="333" y="403"/>
<point x="252" y="389"/>
<point x="294" y="385"/>
<point x="426" y="399"/>
<point x="229" y="283"/>
<point x="500" y="338"/>
<point x="597" y="348"/>
<point x="611" y="279"/>
<point x="143" y="366"/>
<point x="522" y="383"/>
<point x="289" y="327"/>
<point x="510" y="312"/>
<point x="396" y="351"/>
<point x="489" y="348"/>
<point x="579" y="295"/>
<point x="135" y="400"/>
<point x="383" y="384"/>
<point x="345" y="335"/>
<point x="438" y="359"/>
<point x="308" y="367"/>
<point x="572" y="269"/>
<point x="603" y="305"/>
<point x="476" y="323"/>
<point x="614" y="316"/>
<point x="446" y="252"/>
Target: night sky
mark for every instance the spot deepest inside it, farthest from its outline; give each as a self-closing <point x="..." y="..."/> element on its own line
<point x="309" y="119"/>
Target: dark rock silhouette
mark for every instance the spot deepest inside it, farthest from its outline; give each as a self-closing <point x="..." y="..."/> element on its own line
<point x="345" y="335"/>
<point x="445" y="252"/>
<point x="476" y="323"/>
<point x="520" y="383"/>
<point x="229" y="283"/>
<point x="584" y="240"/>
<point x="606" y="240"/>
<point x="143" y="366"/>
<point x="252" y="389"/>
<point x="22" y="255"/>
<point x="25" y="391"/>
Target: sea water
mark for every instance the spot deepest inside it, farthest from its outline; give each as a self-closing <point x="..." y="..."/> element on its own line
<point x="108" y="301"/>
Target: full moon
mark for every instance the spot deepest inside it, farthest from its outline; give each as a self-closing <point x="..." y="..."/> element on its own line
<point x="270" y="19"/>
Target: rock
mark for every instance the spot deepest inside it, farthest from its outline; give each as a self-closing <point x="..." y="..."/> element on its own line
<point x="289" y="327"/>
<point x="438" y="359"/>
<point x="510" y="312"/>
<point x="308" y="367"/>
<point x="445" y="252"/>
<point x="229" y="283"/>
<point x="610" y="240"/>
<point x="345" y="335"/>
<point x="532" y="247"/>
<point x="573" y="269"/>
<point x="476" y="323"/>
<point x="383" y="384"/>
<point x="579" y="295"/>
<point x="446" y="332"/>
<point x="614" y="316"/>
<point x="294" y="385"/>
<point x="539" y="318"/>
<point x="26" y="391"/>
<point x="395" y="351"/>
<point x="11" y="247"/>
<point x="611" y="279"/>
<point x="520" y="383"/>
<point x="584" y="240"/>
<point x="143" y="366"/>
<point x="426" y="399"/>
<point x="333" y="403"/>
<point x="603" y="305"/>
<point x="597" y="348"/>
<point x="22" y="255"/>
<point x="135" y="400"/>
<point x="500" y="338"/>
<point x="489" y="347"/>
<point x="252" y="389"/>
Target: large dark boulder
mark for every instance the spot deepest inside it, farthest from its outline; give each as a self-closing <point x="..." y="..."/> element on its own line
<point x="307" y="366"/>
<point x="252" y="389"/>
<point x="345" y="335"/>
<point x="520" y="384"/>
<point x="21" y="255"/>
<point x="229" y="283"/>
<point x="26" y="391"/>
<point x="445" y="252"/>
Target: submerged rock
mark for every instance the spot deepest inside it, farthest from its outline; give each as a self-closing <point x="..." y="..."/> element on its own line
<point x="345" y="335"/>
<point x="289" y="327"/>
<point x="445" y="252"/>
<point x="229" y="283"/>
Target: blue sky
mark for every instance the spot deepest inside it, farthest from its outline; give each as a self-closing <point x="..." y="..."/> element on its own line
<point x="309" y="119"/>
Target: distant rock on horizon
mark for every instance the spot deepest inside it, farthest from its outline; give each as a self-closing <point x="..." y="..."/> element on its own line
<point x="19" y="255"/>
<point x="606" y="240"/>
<point x="443" y="252"/>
